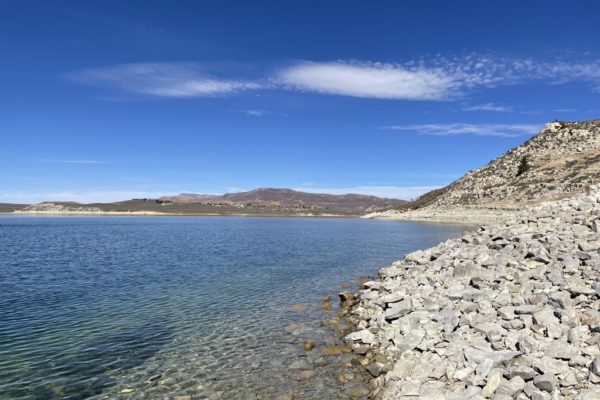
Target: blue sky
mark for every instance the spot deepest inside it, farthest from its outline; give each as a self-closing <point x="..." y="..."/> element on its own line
<point x="107" y="100"/>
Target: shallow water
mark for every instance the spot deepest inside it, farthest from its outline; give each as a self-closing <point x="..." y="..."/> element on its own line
<point x="154" y="307"/>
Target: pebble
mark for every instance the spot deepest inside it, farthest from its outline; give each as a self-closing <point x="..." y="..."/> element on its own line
<point x="303" y="375"/>
<point x="309" y="345"/>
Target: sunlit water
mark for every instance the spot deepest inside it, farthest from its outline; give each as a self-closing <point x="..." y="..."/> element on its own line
<point x="136" y="307"/>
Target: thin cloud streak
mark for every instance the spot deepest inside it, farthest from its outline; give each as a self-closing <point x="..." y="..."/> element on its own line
<point x="50" y="161"/>
<point x="454" y="129"/>
<point x="488" y="107"/>
<point x="252" y="113"/>
<point x="174" y="80"/>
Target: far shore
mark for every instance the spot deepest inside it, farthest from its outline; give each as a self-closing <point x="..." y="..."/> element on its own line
<point x="159" y="214"/>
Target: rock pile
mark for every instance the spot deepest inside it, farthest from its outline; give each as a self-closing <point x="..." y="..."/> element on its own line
<point x="511" y="311"/>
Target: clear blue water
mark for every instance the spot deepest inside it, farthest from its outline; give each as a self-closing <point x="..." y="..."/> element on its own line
<point x="153" y="307"/>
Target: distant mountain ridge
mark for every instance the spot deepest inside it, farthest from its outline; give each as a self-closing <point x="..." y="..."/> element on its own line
<point x="289" y="198"/>
<point x="561" y="161"/>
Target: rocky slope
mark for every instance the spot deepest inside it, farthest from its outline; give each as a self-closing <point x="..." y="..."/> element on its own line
<point x="560" y="161"/>
<point x="511" y="311"/>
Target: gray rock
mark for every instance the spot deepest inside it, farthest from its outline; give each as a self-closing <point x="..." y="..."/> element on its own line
<point x="410" y="388"/>
<point x="549" y="322"/>
<point x="526" y="309"/>
<point x="303" y="375"/>
<point x="590" y="394"/>
<point x="449" y="319"/>
<point x="523" y="371"/>
<point x="393" y="297"/>
<point x="375" y="369"/>
<point x="433" y="391"/>
<point x="507" y="313"/>
<point x="511" y="387"/>
<point x="409" y="341"/>
<point x="401" y="370"/>
<point x="361" y="350"/>
<point x="581" y="289"/>
<point x="561" y="299"/>
<point x="300" y="363"/>
<point x="484" y="368"/>
<point x="494" y="380"/>
<point x="529" y="389"/>
<point x="595" y="365"/>
<point x="546" y="382"/>
<point x="589" y="246"/>
<point x="398" y="310"/>
<point x="364" y="336"/>
<point x="347" y="296"/>
<point x="498" y="357"/>
<point x="537" y="395"/>
<point x="561" y="350"/>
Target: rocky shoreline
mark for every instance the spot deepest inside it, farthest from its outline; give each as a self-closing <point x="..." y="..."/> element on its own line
<point x="447" y="215"/>
<point x="511" y="311"/>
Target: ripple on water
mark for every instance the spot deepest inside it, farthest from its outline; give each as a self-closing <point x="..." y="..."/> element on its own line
<point x="210" y="307"/>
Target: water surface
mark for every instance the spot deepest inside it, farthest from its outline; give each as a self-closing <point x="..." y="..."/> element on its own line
<point x="154" y="307"/>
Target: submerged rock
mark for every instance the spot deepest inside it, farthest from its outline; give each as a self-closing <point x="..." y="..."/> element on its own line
<point x="309" y="345"/>
<point x="334" y="350"/>
<point x="303" y="375"/>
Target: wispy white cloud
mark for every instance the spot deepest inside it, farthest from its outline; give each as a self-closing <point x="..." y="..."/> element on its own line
<point x="488" y="107"/>
<point x="391" y="192"/>
<point x="434" y="78"/>
<point x="368" y="79"/>
<point x="252" y="112"/>
<point x="500" y="130"/>
<point x="176" y="80"/>
<point x="51" y="161"/>
<point x="438" y="78"/>
<point x="565" y="110"/>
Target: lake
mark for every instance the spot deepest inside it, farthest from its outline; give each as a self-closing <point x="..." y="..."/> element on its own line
<point x="211" y="307"/>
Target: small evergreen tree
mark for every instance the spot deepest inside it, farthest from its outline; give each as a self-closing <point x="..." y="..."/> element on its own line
<point x="524" y="166"/>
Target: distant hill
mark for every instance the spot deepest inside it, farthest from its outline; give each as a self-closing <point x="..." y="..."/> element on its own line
<point x="9" y="207"/>
<point x="290" y="198"/>
<point x="559" y="162"/>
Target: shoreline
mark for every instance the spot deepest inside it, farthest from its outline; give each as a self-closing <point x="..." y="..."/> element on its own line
<point x="159" y="214"/>
<point x="509" y="311"/>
